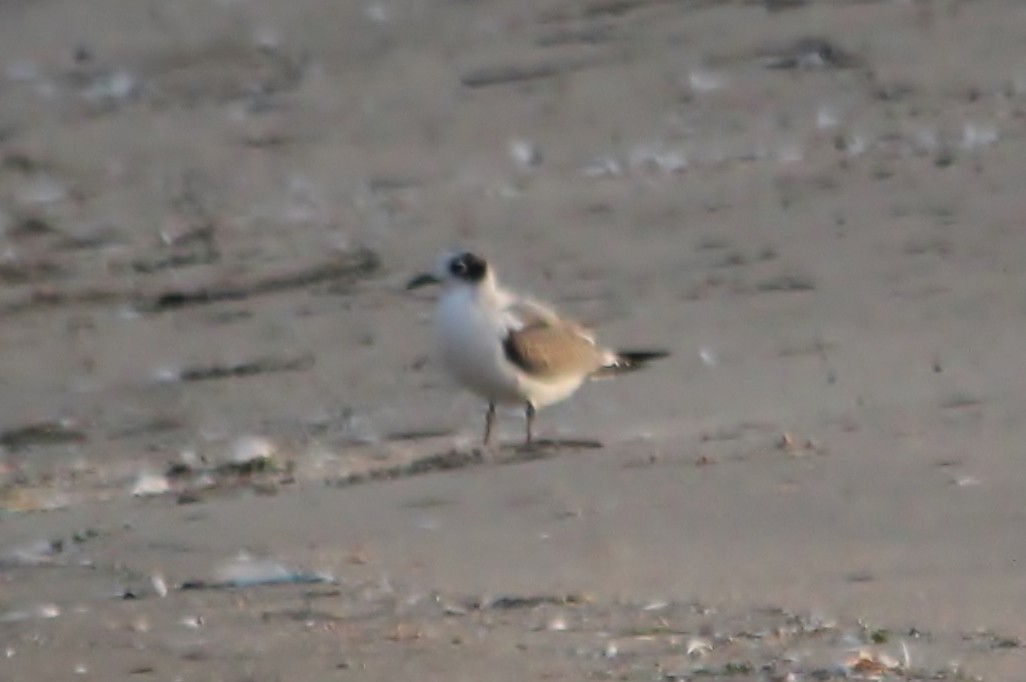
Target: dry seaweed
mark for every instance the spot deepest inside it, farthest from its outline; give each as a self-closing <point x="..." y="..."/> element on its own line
<point x="345" y="270"/>
<point x="354" y="266"/>
<point x="41" y="433"/>
<point x="246" y="369"/>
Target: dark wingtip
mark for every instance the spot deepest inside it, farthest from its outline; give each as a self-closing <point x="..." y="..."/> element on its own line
<point x="634" y="358"/>
<point x="631" y="360"/>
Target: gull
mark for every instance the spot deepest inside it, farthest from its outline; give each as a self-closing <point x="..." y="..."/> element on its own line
<point x="511" y="349"/>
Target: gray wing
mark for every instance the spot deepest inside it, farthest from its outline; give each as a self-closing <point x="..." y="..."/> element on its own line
<point x="552" y="351"/>
<point x="523" y="311"/>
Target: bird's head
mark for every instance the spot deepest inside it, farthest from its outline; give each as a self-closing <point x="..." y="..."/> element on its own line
<point x="457" y="268"/>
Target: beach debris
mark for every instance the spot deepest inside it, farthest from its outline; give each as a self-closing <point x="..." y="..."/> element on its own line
<point x="247" y="571"/>
<point x="111" y="87"/>
<point x="525" y="153"/>
<point x="603" y="167"/>
<point x="796" y="446"/>
<point x="698" y="647"/>
<point x="27" y="498"/>
<point x="445" y="461"/>
<point x="40" y="433"/>
<point x="159" y="584"/>
<point x="189" y="252"/>
<point x="357" y="428"/>
<point x="799" y="446"/>
<point x="246" y="368"/>
<point x="703" y="80"/>
<point x="811" y="53"/>
<point x="36" y="553"/>
<point x="870" y="662"/>
<point x="513" y="602"/>
<point x="993" y="640"/>
<point x="191" y="229"/>
<point x="251" y="462"/>
<point x="607" y="639"/>
<point x="975" y="135"/>
<point x="317" y="459"/>
<point x="852" y="145"/>
<point x="192" y="622"/>
<point x="39" y="612"/>
<point x="253" y="451"/>
<point x="344" y="269"/>
<point x="149" y="484"/>
<point x="138" y="590"/>
<point x="657" y="156"/>
<point x="165" y="375"/>
<point x="557" y="624"/>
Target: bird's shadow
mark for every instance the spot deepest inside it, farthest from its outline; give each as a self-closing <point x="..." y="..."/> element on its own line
<point x="542" y="449"/>
<point x="453" y="459"/>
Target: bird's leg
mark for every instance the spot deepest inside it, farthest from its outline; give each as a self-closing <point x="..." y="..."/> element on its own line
<point x="489" y="423"/>
<point x="529" y="414"/>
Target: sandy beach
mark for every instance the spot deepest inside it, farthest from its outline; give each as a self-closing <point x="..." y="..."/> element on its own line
<point x="228" y="452"/>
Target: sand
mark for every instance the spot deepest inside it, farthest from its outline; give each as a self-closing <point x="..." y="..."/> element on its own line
<point x="213" y="379"/>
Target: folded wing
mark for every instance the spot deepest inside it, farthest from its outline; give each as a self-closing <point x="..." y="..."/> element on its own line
<point x="551" y="351"/>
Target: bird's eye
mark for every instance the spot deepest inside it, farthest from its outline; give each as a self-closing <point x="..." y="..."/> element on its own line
<point x="458" y="267"/>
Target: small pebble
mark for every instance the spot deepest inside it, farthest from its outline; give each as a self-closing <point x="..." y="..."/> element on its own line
<point x="557" y="624"/>
<point x="701" y="80"/>
<point x="525" y="154"/>
<point x="159" y="584"/>
<point x="192" y="622"/>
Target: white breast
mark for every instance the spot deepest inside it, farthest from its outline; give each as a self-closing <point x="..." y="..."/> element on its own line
<point x="469" y="337"/>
